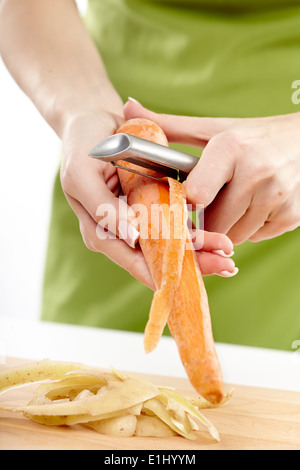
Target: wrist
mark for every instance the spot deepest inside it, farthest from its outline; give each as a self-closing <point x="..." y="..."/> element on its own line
<point x="63" y="111"/>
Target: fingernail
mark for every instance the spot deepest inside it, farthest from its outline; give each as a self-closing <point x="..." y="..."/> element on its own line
<point x="128" y="233"/>
<point x="228" y="274"/>
<point x="133" y="100"/>
<point x="222" y="253"/>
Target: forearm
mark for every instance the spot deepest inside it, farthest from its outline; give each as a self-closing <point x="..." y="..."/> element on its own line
<point x="49" y="53"/>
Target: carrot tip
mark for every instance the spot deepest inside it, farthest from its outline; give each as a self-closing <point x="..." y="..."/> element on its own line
<point x="215" y="397"/>
<point x="149" y="349"/>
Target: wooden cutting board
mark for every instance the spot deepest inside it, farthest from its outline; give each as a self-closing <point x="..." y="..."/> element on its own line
<point x="254" y="419"/>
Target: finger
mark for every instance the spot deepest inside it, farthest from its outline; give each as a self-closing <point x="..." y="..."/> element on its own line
<point x="279" y="222"/>
<point x="119" y="252"/>
<point x="210" y="263"/>
<point x="267" y="231"/>
<point x="249" y="224"/>
<point x="181" y="129"/>
<point x="212" y="242"/>
<point x="114" y="214"/>
<point x="228" y="207"/>
<point x="113" y="184"/>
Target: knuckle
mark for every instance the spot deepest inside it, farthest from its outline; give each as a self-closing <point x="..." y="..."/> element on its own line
<point x="67" y="180"/>
<point x="87" y="240"/>
<point x="260" y="171"/>
<point x="288" y="217"/>
<point x="89" y="244"/>
<point x="234" y="141"/>
<point x="237" y="238"/>
<point x="256" y="238"/>
<point x="136" y="265"/>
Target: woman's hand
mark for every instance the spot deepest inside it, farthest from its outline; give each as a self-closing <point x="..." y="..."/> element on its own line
<point x="248" y="177"/>
<point x="89" y="184"/>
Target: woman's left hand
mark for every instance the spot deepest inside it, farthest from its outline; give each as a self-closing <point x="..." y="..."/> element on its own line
<point x="248" y="177"/>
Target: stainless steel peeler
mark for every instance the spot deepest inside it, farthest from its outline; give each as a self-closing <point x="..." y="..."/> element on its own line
<point x="141" y="152"/>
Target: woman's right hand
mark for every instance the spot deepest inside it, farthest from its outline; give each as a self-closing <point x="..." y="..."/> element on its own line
<point x="92" y="189"/>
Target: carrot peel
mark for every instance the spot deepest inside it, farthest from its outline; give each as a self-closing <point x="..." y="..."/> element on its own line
<point x="173" y="258"/>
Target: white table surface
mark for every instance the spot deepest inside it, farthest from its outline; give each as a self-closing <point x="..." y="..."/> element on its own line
<point x="124" y="350"/>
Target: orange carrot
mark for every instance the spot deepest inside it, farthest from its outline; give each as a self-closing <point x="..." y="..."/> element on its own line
<point x="180" y="298"/>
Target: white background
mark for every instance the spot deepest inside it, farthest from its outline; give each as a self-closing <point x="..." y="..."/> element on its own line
<point x="29" y="159"/>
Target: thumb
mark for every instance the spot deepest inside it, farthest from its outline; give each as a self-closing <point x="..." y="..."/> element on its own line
<point x="215" y="169"/>
<point x="187" y="130"/>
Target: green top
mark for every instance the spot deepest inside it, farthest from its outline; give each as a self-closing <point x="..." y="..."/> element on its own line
<point x="205" y="58"/>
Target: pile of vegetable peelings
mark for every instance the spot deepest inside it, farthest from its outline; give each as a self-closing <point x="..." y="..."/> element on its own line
<point x="107" y="401"/>
<point x="111" y="402"/>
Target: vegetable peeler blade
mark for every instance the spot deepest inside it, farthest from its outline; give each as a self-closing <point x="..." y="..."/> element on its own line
<point x="146" y="154"/>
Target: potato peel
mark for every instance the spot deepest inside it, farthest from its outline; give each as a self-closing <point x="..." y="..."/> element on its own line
<point x="108" y="402"/>
<point x="39" y="371"/>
